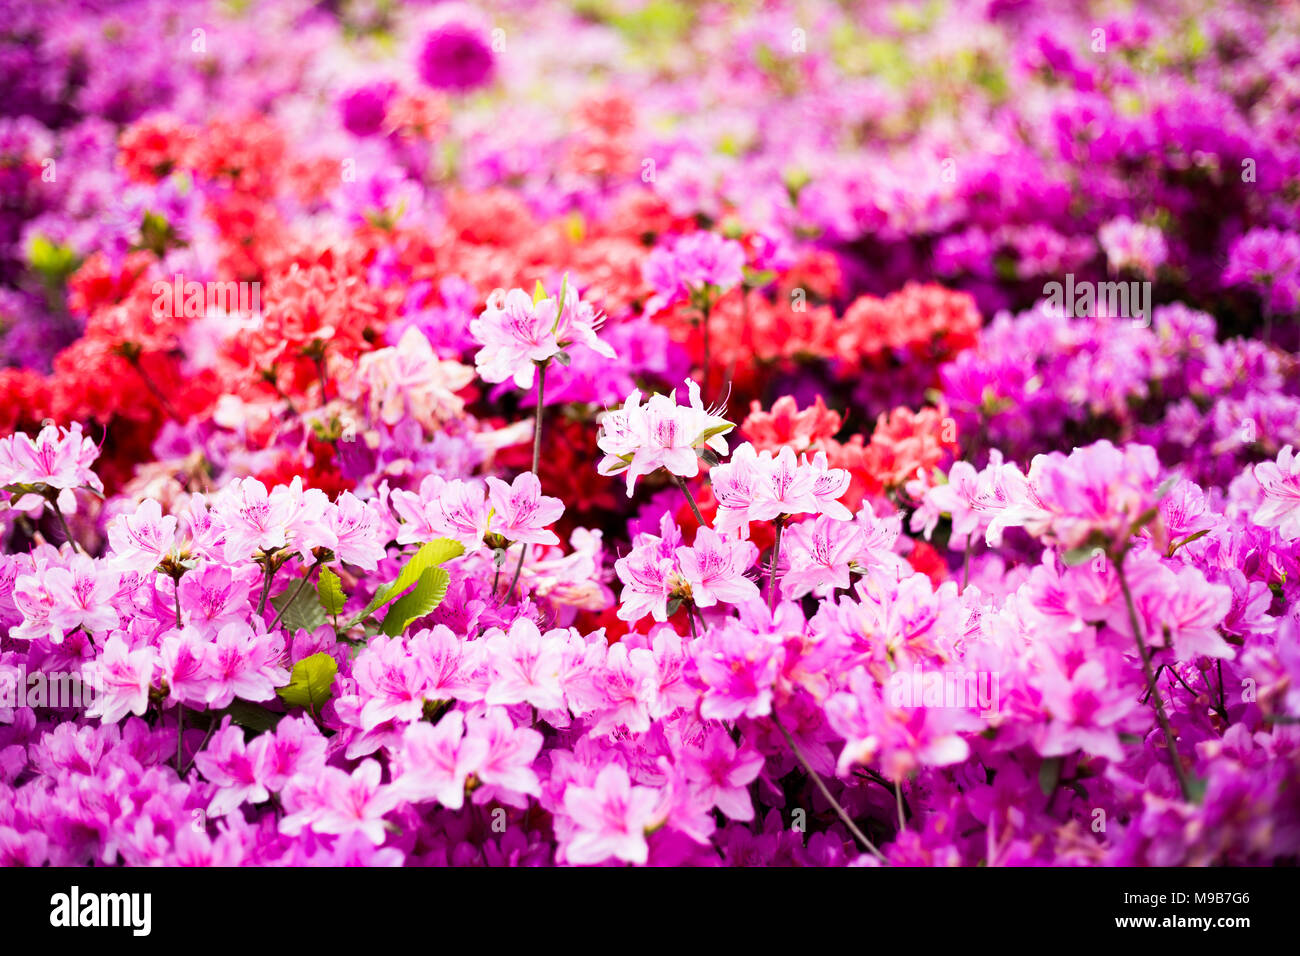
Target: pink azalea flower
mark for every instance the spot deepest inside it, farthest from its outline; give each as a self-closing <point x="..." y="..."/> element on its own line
<point x="820" y="554"/>
<point x="212" y="597"/>
<point x="390" y="681"/>
<point x="738" y="669"/>
<point x="286" y="516"/>
<point x="121" y="678"/>
<point x="182" y="659"/>
<point x="526" y="665"/>
<point x="626" y="684"/>
<point x="641" y="439"/>
<point x="720" y="773"/>
<point x="139" y="541"/>
<point x="520" y="512"/>
<point x="610" y="818"/>
<point x="227" y="762"/>
<point x="505" y="769"/>
<point x="1194" y="611"/>
<point x="449" y="664"/>
<point x="293" y="754"/>
<point x="79" y="596"/>
<point x="460" y="511"/>
<point x="736" y="485"/>
<point x="443" y="509"/>
<point x="1095" y="492"/>
<point x="648" y="579"/>
<point x="517" y="332"/>
<point x="715" y="567"/>
<point x="1086" y="706"/>
<point x="360" y="529"/>
<point x="787" y="490"/>
<point x="955" y="498"/>
<point x="341" y="803"/>
<point x="434" y="761"/>
<point x="898" y="739"/>
<point x="243" y="663"/>
<point x="59" y="458"/>
<point x="1280" y="482"/>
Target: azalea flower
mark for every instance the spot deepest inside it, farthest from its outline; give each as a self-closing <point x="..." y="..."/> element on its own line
<point x="714" y="569"/>
<point x="518" y="331"/>
<point x="641" y="439"/>
<point x="58" y="458"/>
<point x="610" y="818"/>
<point x="520" y="512"/>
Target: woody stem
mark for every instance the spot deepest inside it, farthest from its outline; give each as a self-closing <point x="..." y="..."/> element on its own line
<point x="816" y="779"/>
<point x="1153" y="690"/>
<point x="681" y="483"/>
<point x="776" y="554"/>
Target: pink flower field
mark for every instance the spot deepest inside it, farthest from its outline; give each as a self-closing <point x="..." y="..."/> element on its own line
<point x="648" y="432"/>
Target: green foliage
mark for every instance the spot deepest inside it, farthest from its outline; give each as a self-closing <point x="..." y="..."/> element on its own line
<point x="330" y="591"/>
<point x="430" y="555"/>
<point x="311" y="683"/>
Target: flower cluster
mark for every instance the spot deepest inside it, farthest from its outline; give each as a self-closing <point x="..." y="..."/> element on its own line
<point x="369" y="494"/>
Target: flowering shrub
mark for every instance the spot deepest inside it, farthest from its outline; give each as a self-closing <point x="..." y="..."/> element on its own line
<point x="526" y="434"/>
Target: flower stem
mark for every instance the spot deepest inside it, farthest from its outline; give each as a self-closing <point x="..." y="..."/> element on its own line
<point x="816" y="778"/>
<point x="1154" y="691"/>
<point x="159" y="395"/>
<point x="289" y="603"/>
<point x="266" y="587"/>
<point x="537" y="460"/>
<point x="212" y="725"/>
<point x="180" y="734"/>
<point x="681" y="483"/>
<point x="965" y="564"/>
<point x="776" y="554"/>
<point x="67" y="531"/>
<point x="708" y="307"/>
<point x="319" y="359"/>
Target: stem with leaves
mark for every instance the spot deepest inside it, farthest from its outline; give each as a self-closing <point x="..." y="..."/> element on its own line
<point x="289" y="603"/>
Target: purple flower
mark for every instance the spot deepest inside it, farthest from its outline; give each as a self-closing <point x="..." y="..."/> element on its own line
<point x="363" y="109"/>
<point x="455" y="56"/>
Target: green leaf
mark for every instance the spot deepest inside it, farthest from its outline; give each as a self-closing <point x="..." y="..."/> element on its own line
<point x="298" y="607"/>
<point x="1049" y="774"/>
<point x="427" y="595"/>
<point x="330" y="591"/>
<point x="1187" y="540"/>
<point x="54" y="262"/>
<point x="430" y="555"/>
<point x="715" y="430"/>
<point x="252" y="716"/>
<point x="311" y="683"/>
<point x="1077" y="556"/>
